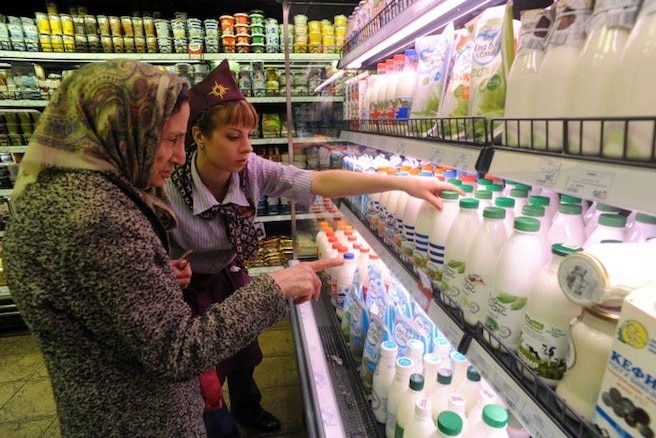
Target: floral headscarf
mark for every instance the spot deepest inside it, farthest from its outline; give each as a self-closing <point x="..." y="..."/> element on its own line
<point x="106" y="116"/>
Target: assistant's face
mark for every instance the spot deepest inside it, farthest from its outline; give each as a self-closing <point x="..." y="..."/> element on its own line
<point x="171" y="149"/>
<point x="229" y="147"/>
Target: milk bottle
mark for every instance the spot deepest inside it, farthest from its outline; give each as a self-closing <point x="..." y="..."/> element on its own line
<point x="438" y="232"/>
<point x="538" y="212"/>
<point x="609" y="227"/>
<point x="422" y="424"/>
<point x="521" y="199"/>
<point x="593" y="334"/>
<point x="457" y="405"/>
<point x="643" y="228"/>
<point x="405" y="86"/>
<point x="459" y="364"/>
<point x="432" y="363"/>
<point x="484" y="199"/>
<point x="415" y="351"/>
<point x="470" y="388"/>
<point x="567" y="226"/>
<point x="405" y="411"/>
<point x="389" y="102"/>
<point x="345" y="276"/>
<point x="404" y="366"/>
<point x="439" y="396"/>
<point x="633" y="93"/>
<point x="377" y="82"/>
<point x="609" y="30"/>
<point x="545" y="330"/>
<point x="425" y="218"/>
<point x="543" y="201"/>
<point x="485" y="397"/>
<point x="480" y="265"/>
<point x="508" y="204"/>
<point x="523" y="74"/>
<point x="397" y="238"/>
<point x="520" y="260"/>
<point x="591" y="217"/>
<point x="442" y="348"/>
<point x="449" y="424"/>
<point x="495" y="421"/>
<point x="457" y="246"/>
<point x="566" y="37"/>
<point x="382" y="380"/>
<point x="410" y="216"/>
<point x="554" y="201"/>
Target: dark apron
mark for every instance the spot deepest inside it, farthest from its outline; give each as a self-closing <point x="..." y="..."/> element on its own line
<point x="207" y="289"/>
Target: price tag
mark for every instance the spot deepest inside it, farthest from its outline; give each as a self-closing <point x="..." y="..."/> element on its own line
<point x="400" y="149"/>
<point x="438" y="156"/>
<point x="462" y="160"/>
<point x="548" y="173"/>
<point x="423" y="294"/>
<point x="589" y="184"/>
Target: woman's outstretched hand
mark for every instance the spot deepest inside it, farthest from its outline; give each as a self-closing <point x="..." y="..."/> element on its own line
<point x="301" y="282"/>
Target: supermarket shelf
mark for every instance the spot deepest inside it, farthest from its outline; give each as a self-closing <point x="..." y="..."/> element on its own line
<point x="610" y="183"/>
<point x="13" y="149"/>
<point x="23" y="103"/>
<point x="287" y="217"/>
<point x="264" y="270"/>
<point x="295" y="140"/>
<point x="5" y="192"/>
<point x="4" y="292"/>
<point x="167" y="57"/>
<point x="536" y="405"/>
<point x="295" y="99"/>
<point x="450" y="154"/>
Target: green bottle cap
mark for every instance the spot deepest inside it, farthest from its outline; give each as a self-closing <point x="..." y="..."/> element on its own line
<point x="565" y="249"/>
<point x="494" y="213"/>
<point x="567" y="199"/>
<point x="519" y="193"/>
<point x="416" y="382"/>
<point x="533" y="210"/>
<point x="467" y="188"/>
<point x="495" y="416"/>
<point x="484" y="182"/>
<point x="521" y="186"/>
<point x="495" y="188"/>
<point x="473" y="374"/>
<point x="483" y="194"/>
<point x="504" y="202"/>
<point x="524" y="223"/>
<point x="449" y="423"/>
<point x="539" y="200"/>
<point x="612" y="220"/>
<point x="570" y="208"/>
<point x="645" y="218"/>
<point x="449" y="194"/>
<point x="469" y="203"/>
<point x="607" y="208"/>
<point x="455" y="182"/>
<point x="444" y="376"/>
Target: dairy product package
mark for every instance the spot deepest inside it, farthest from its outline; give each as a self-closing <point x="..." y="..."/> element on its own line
<point x="523" y="75"/>
<point x="456" y="94"/>
<point x="433" y="53"/>
<point x="492" y="57"/>
<point x="626" y="405"/>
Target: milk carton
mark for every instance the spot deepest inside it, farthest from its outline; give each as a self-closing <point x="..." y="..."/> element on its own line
<point x="627" y="401"/>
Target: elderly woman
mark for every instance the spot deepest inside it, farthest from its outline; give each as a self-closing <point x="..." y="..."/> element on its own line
<point x="86" y="258"/>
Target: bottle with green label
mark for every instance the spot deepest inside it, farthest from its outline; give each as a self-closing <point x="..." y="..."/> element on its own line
<point x="520" y="260"/>
<point x="545" y="331"/>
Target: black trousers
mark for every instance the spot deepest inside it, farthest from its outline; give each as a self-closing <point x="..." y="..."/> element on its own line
<point x="245" y="396"/>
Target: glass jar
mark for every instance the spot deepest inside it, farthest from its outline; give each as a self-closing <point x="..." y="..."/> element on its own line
<point x="592" y="339"/>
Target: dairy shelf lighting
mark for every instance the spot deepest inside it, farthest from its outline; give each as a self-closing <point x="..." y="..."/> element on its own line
<point x="423" y="17"/>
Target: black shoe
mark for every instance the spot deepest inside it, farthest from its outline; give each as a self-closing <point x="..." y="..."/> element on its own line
<point x="260" y="419"/>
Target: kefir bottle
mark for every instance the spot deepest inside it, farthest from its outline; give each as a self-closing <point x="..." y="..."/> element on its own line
<point x="520" y="260"/>
<point x="480" y="265"/>
<point x="494" y="424"/>
<point x="566" y="38"/>
<point x="508" y="204"/>
<point x="382" y="380"/>
<point x="404" y="367"/>
<point x="641" y="229"/>
<point x="545" y="331"/>
<point x="609" y="227"/>
<point x="567" y="226"/>
<point x="421" y="425"/>
<point x="457" y="246"/>
<point x="438" y="232"/>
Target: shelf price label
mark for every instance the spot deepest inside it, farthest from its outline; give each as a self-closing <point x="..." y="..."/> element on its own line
<point x="589" y="184"/>
<point x="463" y="160"/>
<point x="548" y="173"/>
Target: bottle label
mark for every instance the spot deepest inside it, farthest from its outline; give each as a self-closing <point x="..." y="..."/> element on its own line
<point x="505" y="317"/>
<point x="615" y="14"/>
<point x="570" y="27"/>
<point x="453" y="274"/>
<point x="434" y="269"/>
<point x="475" y="295"/>
<point x="543" y="347"/>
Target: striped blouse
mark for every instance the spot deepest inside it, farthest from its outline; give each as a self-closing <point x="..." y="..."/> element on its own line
<point x="212" y="249"/>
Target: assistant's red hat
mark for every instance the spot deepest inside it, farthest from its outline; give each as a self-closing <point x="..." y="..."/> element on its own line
<point x="217" y="87"/>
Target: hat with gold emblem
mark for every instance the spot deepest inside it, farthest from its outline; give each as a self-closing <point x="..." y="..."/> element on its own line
<point x="217" y="87"/>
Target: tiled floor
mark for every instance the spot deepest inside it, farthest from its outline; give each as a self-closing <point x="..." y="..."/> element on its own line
<point x="27" y="407"/>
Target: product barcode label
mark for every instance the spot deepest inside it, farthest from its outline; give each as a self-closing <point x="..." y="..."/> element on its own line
<point x="589" y="184"/>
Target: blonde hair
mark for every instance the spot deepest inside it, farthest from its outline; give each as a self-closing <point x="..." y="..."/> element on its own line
<point x="235" y="112"/>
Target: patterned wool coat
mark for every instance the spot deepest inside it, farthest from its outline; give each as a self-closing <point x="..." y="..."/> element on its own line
<point x="87" y="264"/>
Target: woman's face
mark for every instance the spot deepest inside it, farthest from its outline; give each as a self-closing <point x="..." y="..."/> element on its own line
<point x="227" y="148"/>
<point x="171" y="149"/>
